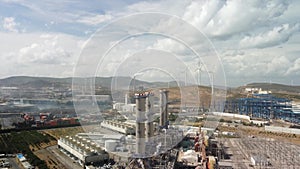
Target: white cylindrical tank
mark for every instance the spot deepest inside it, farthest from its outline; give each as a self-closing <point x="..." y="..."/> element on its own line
<point x="110" y="145"/>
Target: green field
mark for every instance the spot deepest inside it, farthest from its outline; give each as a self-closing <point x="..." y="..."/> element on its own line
<point x="20" y="142"/>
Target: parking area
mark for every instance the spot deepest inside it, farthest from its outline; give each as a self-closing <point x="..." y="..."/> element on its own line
<point x="64" y="158"/>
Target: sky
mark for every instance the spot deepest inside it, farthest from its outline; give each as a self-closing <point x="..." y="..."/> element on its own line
<point x="252" y="40"/>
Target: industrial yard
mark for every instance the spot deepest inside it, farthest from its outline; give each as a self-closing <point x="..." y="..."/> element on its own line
<point x="152" y="130"/>
<point x="262" y="153"/>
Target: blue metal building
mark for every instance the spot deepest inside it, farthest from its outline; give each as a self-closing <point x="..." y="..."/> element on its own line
<point x="265" y="106"/>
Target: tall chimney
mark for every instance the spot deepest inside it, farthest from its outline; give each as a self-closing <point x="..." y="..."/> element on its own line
<point x="149" y="114"/>
<point x="140" y="100"/>
<point x="164" y="108"/>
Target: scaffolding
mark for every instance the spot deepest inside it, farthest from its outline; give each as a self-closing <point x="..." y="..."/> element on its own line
<point x="265" y="106"/>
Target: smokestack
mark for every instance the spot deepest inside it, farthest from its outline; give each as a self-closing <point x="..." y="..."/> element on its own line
<point x="126" y="99"/>
<point x="161" y="108"/>
<point x="140" y="100"/>
<point x="164" y="108"/>
<point x="149" y="114"/>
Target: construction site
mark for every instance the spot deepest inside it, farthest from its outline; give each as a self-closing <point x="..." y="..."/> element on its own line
<point x="263" y="106"/>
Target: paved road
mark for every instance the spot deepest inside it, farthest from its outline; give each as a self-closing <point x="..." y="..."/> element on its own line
<point x="64" y="159"/>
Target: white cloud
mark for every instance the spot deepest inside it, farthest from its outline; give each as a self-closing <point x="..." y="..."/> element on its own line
<point x="47" y="52"/>
<point x="10" y="1"/>
<point x="252" y="64"/>
<point x="230" y="24"/>
<point x="39" y="54"/>
<point x="227" y="18"/>
<point x="294" y="69"/>
<point x="169" y="45"/>
<point x="278" y="65"/>
<point x="94" y="19"/>
<point x="245" y="32"/>
<point x="51" y="50"/>
<point x="9" y="24"/>
<point x="199" y="13"/>
<point x="276" y="36"/>
<point x="170" y="7"/>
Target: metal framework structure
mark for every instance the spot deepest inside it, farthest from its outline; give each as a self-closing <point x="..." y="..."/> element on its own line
<point x="264" y="106"/>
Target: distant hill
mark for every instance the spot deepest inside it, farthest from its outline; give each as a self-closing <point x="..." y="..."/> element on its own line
<point x="104" y="82"/>
<point x="35" y="82"/>
<point x="275" y="88"/>
<point x="279" y="90"/>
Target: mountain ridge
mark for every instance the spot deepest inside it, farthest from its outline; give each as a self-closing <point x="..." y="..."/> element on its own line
<point x="39" y="82"/>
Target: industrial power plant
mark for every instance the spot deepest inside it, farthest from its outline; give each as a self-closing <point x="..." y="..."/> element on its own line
<point x="148" y="139"/>
<point x="150" y="130"/>
<point x="139" y="143"/>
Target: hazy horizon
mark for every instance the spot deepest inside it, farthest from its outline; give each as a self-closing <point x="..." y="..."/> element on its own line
<point x="208" y="85"/>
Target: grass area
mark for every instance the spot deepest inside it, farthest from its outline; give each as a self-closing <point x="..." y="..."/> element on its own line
<point x="59" y="132"/>
<point x="22" y="142"/>
<point x="29" y="142"/>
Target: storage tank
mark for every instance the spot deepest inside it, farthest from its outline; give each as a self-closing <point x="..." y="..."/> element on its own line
<point x="110" y="145"/>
